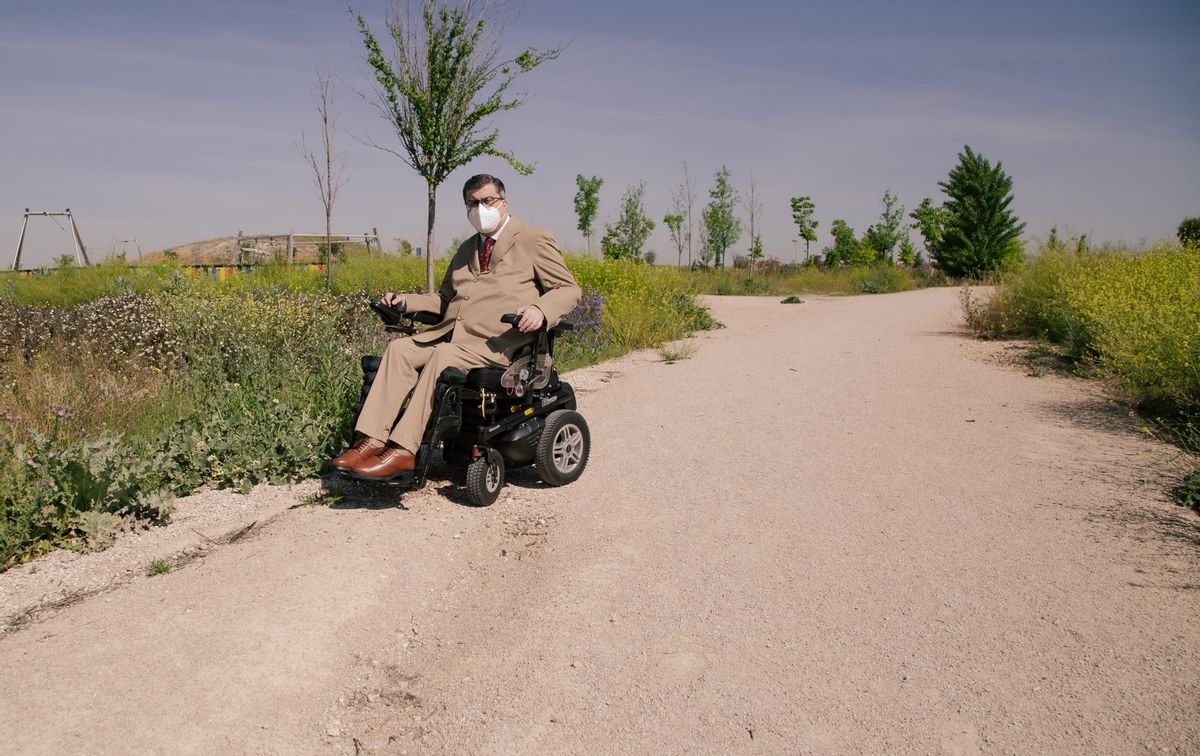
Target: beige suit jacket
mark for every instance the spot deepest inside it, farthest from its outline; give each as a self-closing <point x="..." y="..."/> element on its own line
<point x="526" y="268"/>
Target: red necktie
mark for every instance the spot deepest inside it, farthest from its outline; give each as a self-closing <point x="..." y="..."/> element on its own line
<point x="485" y="254"/>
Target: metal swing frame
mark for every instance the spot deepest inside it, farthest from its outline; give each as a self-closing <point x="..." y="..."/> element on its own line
<point x="80" y="251"/>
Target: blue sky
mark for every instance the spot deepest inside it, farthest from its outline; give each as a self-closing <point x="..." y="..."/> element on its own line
<point x="173" y="122"/>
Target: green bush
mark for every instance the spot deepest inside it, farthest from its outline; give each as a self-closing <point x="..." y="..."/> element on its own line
<point x="881" y="278"/>
<point x="58" y="490"/>
<point x="781" y="280"/>
<point x="1189" y="233"/>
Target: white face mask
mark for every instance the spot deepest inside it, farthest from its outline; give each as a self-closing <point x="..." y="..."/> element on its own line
<point x="484" y="219"/>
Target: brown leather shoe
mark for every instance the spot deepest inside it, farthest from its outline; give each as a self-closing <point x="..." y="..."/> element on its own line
<point x="363" y="450"/>
<point x="386" y="465"/>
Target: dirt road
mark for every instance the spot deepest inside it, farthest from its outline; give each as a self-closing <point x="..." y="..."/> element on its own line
<point x="838" y="527"/>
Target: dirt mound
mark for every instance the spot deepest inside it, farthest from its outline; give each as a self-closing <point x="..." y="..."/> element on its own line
<point x="225" y="250"/>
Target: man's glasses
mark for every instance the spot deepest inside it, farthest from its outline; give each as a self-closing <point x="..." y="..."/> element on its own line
<point x="485" y="201"/>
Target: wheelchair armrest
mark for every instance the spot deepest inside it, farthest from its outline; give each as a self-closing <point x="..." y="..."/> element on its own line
<point x="398" y="320"/>
<point x="427" y="318"/>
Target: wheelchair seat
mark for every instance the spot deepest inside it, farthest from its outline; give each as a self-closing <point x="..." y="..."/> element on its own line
<point x="485" y="378"/>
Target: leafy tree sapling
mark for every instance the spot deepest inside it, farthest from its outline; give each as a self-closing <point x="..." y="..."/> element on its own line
<point x="446" y="78"/>
<point x="802" y="215"/>
<point x="674" y="224"/>
<point x="884" y="235"/>
<point x="587" y="202"/>
<point x="845" y="247"/>
<point x="625" y="238"/>
<point x="931" y="220"/>
<point x="722" y="226"/>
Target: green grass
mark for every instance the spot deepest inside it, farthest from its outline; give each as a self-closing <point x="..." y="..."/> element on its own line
<point x="782" y="280"/>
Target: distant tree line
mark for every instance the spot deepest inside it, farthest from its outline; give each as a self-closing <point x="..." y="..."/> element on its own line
<point x="972" y="232"/>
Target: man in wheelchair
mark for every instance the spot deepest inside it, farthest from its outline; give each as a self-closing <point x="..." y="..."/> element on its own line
<point x="507" y="267"/>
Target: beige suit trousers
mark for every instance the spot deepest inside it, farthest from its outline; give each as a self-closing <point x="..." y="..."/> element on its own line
<point x="409" y="367"/>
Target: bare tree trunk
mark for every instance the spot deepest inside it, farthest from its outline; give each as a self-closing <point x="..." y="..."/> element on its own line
<point x="327" y="180"/>
<point x="753" y="205"/>
<point x="328" y="250"/>
<point x="329" y="191"/>
<point x="689" y="197"/>
<point x="429" y="238"/>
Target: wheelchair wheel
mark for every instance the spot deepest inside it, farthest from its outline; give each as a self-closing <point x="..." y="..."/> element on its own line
<point x="485" y="478"/>
<point x="562" y="451"/>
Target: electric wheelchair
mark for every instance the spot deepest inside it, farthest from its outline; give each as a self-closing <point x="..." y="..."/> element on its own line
<point x="490" y="420"/>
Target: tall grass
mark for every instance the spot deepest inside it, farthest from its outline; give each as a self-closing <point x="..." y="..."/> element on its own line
<point x="782" y="280"/>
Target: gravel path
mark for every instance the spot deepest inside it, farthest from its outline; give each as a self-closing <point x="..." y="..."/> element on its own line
<point x="839" y="526"/>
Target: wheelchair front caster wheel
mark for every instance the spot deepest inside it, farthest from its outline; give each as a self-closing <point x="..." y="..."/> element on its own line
<point x="485" y="478"/>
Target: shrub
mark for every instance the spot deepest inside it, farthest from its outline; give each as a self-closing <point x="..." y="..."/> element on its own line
<point x="58" y="490"/>
<point x="1189" y="233"/>
<point x="881" y="278"/>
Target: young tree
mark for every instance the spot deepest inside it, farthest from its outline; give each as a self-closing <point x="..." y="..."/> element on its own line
<point x="674" y="224"/>
<point x="931" y="219"/>
<point x="802" y="216"/>
<point x="756" y="254"/>
<point x="329" y="167"/>
<point x="908" y="252"/>
<point x="705" y="255"/>
<point x="587" y="202"/>
<point x="845" y="247"/>
<point x="624" y="239"/>
<point x="723" y="227"/>
<point x="446" y="77"/>
<point x="884" y="235"/>
<point x="753" y="206"/>
<point x="683" y="198"/>
<point x="981" y="233"/>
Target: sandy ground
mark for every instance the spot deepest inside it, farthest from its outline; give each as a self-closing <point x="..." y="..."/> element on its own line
<point x="838" y="527"/>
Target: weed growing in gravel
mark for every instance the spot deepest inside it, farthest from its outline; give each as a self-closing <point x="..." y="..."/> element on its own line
<point x="158" y="567"/>
<point x="323" y="499"/>
<point x="674" y="353"/>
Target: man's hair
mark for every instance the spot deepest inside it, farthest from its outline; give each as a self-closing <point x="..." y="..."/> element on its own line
<point x="480" y="181"/>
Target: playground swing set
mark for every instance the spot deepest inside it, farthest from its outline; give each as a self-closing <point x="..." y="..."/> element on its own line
<point x="81" y="257"/>
<point x="249" y="250"/>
